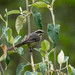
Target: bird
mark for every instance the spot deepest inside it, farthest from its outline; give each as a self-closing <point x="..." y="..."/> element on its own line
<point x="29" y="39"/>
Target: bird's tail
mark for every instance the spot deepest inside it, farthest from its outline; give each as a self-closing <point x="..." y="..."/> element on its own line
<point x="17" y="45"/>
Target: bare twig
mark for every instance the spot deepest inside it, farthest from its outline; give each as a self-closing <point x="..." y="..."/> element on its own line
<point x="47" y="61"/>
<point x="28" y="16"/>
<point x="31" y="55"/>
<point x="1" y="69"/>
<point x="53" y="17"/>
<point x="1" y="36"/>
<point x="33" y="1"/>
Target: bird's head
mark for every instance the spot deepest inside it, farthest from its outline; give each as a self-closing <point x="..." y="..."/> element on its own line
<point x="39" y="32"/>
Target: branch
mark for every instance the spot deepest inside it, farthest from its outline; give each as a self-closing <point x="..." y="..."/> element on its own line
<point x="28" y="16"/>
<point x="1" y="69"/>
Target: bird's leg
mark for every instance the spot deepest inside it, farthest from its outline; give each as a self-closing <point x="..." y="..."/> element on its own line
<point x="30" y="48"/>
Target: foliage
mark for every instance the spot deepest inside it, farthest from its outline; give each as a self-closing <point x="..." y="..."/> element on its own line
<point x="46" y="66"/>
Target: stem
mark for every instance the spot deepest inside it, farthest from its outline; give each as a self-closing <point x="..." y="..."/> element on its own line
<point x="53" y="17"/>
<point x="1" y="69"/>
<point x="33" y="1"/>
<point x="50" y="7"/>
<point x="32" y="62"/>
<point x="31" y="55"/>
<point x="55" y="61"/>
<point x="28" y="16"/>
<point x="1" y="36"/>
<point x="47" y="61"/>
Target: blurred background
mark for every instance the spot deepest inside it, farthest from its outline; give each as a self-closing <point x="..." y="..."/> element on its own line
<point x="64" y="11"/>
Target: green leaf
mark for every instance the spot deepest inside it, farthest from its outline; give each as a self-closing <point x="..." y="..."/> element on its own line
<point x="24" y="12"/>
<point x="7" y="59"/>
<point x="46" y="1"/>
<point x="42" y="68"/>
<point x="21" y="19"/>
<point x="37" y="66"/>
<point x="39" y="4"/>
<point x="39" y="73"/>
<point x="51" y="55"/>
<point x="45" y="45"/>
<point x="37" y="19"/>
<point x="12" y="12"/>
<point x="20" y="68"/>
<point x="42" y="53"/>
<point x="69" y="70"/>
<point x="20" y="51"/>
<point x="37" y="49"/>
<point x="73" y="70"/>
<point x="39" y="0"/>
<point x="11" y="52"/>
<point x="2" y="18"/>
<point x="9" y="36"/>
<point x="28" y="73"/>
<point x="4" y="30"/>
<point x="34" y="73"/>
<point x="53" y="33"/>
<point x="17" y="38"/>
<point x="2" y="58"/>
<point x="65" y="59"/>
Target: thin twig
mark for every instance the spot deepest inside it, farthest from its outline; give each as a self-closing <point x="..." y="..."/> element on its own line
<point x="1" y="69"/>
<point x="47" y="61"/>
<point x="1" y="36"/>
<point x="33" y="1"/>
<point x="31" y="55"/>
<point x="52" y="3"/>
<point x="28" y="17"/>
<point x="53" y="17"/>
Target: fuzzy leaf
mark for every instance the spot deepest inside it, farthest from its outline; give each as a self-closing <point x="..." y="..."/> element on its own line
<point x="20" y="68"/>
<point x="45" y="45"/>
<point x="28" y="73"/>
<point x="37" y="19"/>
<point x="9" y="36"/>
<point x="69" y="70"/>
<point x="61" y="57"/>
<point x="2" y="18"/>
<point x="53" y="33"/>
<point x="42" y="68"/>
<point x="19" y="22"/>
<point x="12" y="12"/>
<point x="20" y="51"/>
<point x="2" y="58"/>
<point x="65" y="59"/>
<point x="51" y="55"/>
<point x="7" y="59"/>
<point x="17" y="38"/>
<point x="39" y="4"/>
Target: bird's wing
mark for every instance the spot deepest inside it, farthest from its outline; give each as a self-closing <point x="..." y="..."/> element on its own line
<point x="33" y="37"/>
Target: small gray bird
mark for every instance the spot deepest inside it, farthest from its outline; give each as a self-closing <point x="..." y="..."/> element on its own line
<point x="30" y="39"/>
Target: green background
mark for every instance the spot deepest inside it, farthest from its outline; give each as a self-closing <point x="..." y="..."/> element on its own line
<point x="64" y="11"/>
